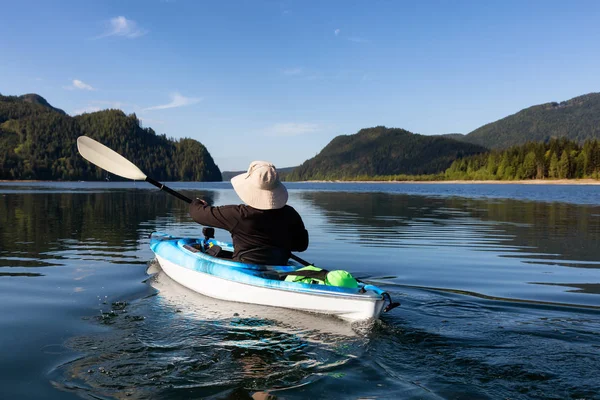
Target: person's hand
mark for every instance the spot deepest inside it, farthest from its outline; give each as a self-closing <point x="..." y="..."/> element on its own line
<point x="204" y="203"/>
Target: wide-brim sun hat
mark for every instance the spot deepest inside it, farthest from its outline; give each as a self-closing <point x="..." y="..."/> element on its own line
<point x="260" y="187"/>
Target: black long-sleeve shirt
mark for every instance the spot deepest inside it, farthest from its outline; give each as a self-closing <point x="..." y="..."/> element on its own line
<point x="259" y="236"/>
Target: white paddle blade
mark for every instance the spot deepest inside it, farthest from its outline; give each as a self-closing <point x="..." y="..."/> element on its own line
<point x="108" y="159"/>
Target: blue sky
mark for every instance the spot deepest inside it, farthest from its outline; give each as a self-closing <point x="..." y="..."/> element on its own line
<point x="277" y="80"/>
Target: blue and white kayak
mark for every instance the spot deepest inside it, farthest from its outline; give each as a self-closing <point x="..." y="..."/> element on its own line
<point x="184" y="261"/>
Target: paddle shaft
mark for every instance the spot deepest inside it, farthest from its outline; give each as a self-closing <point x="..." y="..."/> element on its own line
<point x="301" y="261"/>
<point x="168" y="190"/>
<point x="188" y="200"/>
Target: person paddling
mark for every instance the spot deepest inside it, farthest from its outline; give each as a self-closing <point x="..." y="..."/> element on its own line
<point x="265" y="230"/>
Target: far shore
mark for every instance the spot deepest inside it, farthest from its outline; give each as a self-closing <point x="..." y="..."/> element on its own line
<point x="525" y="182"/>
<point x="467" y="182"/>
<point x="26" y="180"/>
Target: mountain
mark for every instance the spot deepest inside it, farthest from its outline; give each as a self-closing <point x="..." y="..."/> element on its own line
<point x="577" y="119"/>
<point x="383" y="151"/>
<point x="38" y="141"/>
<point x="37" y="99"/>
<point x="283" y="172"/>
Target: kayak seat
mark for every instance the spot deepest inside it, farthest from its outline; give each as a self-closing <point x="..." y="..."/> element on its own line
<point x="217" y="251"/>
<point x="193" y="249"/>
<point x="214" y="251"/>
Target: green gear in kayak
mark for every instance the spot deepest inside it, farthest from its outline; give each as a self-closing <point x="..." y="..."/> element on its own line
<point x="306" y="279"/>
<point x="339" y="278"/>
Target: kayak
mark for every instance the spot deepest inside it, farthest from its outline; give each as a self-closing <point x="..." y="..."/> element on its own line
<point x="185" y="261"/>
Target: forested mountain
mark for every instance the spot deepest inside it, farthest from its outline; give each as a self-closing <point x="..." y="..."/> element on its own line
<point x="38" y="141"/>
<point x="556" y="159"/>
<point x="577" y="119"/>
<point x="383" y="151"/>
<point x="37" y="99"/>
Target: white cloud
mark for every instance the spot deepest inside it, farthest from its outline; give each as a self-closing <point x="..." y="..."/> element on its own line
<point x="121" y="26"/>
<point x="291" y="129"/>
<point x="292" y="71"/>
<point x="80" y="85"/>
<point x="336" y="32"/>
<point x="177" y="100"/>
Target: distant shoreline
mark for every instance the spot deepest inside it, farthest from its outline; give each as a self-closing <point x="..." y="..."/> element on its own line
<point x="473" y="182"/>
<point x="27" y="180"/>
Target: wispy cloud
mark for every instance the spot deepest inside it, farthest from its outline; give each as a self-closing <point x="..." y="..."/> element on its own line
<point x="121" y="26"/>
<point x="79" y="85"/>
<point x="292" y="129"/>
<point x="292" y="71"/>
<point x="336" y="32"/>
<point x="177" y="100"/>
<point x="358" y="40"/>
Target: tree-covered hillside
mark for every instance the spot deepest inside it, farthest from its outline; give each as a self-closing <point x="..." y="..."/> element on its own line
<point x="383" y="151"/>
<point x="37" y="99"/>
<point x="577" y="119"/>
<point x="38" y="141"/>
<point x="557" y="159"/>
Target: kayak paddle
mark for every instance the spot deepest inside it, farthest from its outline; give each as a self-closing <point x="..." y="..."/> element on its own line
<point x="111" y="161"/>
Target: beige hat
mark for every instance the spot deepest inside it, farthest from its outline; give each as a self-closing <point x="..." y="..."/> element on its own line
<point x="260" y="187"/>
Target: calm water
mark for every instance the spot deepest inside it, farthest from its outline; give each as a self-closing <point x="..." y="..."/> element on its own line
<point x="499" y="284"/>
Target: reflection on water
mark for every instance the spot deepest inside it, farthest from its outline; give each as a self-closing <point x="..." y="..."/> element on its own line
<point x="62" y="256"/>
<point x="499" y="299"/>
<point x="566" y="230"/>
<point x="499" y="248"/>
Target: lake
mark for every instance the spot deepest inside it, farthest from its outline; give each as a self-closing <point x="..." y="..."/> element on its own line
<point x="499" y="285"/>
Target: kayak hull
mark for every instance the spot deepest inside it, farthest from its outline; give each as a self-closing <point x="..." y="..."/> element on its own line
<point x="247" y="283"/>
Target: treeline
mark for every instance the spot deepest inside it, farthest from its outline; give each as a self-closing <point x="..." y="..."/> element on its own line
<point x="39" y="142"/>
<point x="557" y="159"/>
<point x="383" y="178"/>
